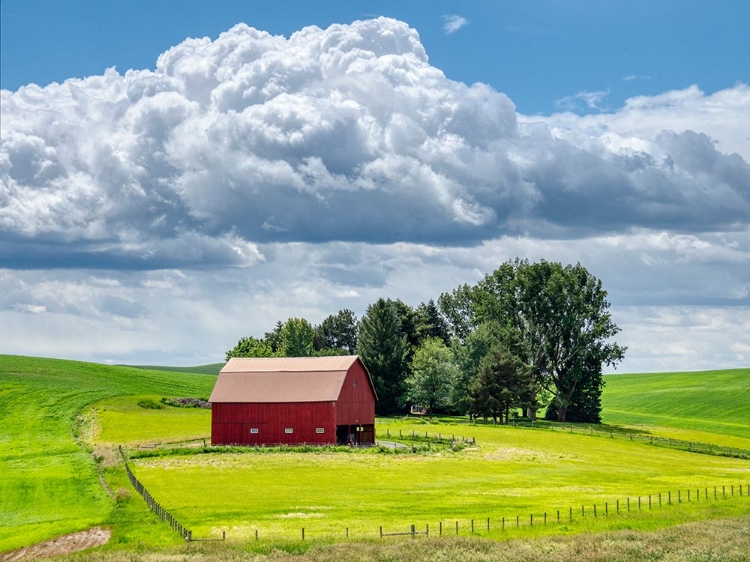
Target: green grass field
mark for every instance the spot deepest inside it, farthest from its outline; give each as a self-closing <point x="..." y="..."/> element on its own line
<point x="705" y="403"/>
<point x="50" y="483"/>
<point x="514" y="472"/>
<point x="55" y="414"/>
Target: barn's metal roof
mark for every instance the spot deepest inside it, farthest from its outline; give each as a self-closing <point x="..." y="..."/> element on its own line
<point x="282" y="379"/>
<point x="288" y="364"/>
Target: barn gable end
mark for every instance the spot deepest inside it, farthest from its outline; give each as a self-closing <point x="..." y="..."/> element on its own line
<point x="293" y="400"/>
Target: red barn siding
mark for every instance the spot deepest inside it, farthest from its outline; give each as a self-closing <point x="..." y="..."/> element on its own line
<point x="356" y="404"/>
<point x="231" y="423"/>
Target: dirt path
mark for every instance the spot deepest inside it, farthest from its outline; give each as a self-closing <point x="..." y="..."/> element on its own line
<point x="65" y="544"/>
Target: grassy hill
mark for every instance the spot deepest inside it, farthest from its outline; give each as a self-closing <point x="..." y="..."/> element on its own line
<point x="211" y="369"/>
<point x="711" y="402"/>
<point x="49" y="483"/>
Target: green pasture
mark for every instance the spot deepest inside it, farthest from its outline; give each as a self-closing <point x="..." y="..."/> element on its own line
<point x="121" y="421"/>
<point x="712" y="402"/>
<point x="50" y="484"/>
<point x="513" y="472"/>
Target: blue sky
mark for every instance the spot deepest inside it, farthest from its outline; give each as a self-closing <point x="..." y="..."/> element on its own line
<point x="540" y="53"/>
<point x="176" y="175"/>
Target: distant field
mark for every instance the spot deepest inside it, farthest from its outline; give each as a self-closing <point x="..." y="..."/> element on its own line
<point x="212" y="369"/>
<point x="709" y="401"/>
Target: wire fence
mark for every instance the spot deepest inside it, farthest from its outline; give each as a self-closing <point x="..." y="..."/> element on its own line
<point x="613" y="433"/>
<point x="164" y="515"/>
<point x="489" y="525"/>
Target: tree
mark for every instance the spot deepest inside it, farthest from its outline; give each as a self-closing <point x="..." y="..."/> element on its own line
<point x="382" y="346"/>
<point x="457" y="309"/>
<point x="274" y="337"/>
<point x="413" y="330"/>
<point x="469" y="356"/>
<point x="578" y="328"/>
<point x="432" y="322"/>
<point x="560" y="322"/>
<point x="250" y="347"/>
<point x="338" y="332"/>
<point x="500" y="385"/>
<point x="297" y="335"/>
<point x="585" y="404"/>
<point x="433" y="374"/>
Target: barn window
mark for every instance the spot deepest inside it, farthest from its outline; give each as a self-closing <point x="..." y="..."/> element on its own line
<point x="289" y="430"/>
<point x="320" y="430"/>
<point x="253" y="430"/>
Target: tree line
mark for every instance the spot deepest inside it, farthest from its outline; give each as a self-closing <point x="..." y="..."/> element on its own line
<point x="527" y="336"/>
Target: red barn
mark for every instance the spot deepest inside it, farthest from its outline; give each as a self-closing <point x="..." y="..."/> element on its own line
<point x="293" y="400"/>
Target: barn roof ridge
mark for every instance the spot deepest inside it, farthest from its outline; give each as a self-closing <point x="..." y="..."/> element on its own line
<point x="290" y="364"/>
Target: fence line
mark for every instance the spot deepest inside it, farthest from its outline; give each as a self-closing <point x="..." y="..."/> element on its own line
<point x="485" y="526"/>
<point x="155" y="506"/>
<point x="448" y="439"/>
<point x="618" y="507"/>
<point x="603" y="431"/>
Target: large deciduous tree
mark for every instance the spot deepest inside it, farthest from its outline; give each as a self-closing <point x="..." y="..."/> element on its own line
<point x="250" y="347"/>
<point x="560" y="322"/>
<point x="383" y="348"/>
<point x="457" y="309"/>
<point x="297" y="335"/>
<point x="433" y="375"/>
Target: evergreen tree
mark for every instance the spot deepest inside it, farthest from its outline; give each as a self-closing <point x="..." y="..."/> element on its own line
<point x="383" y="348"/>
<point x="432" y="322"/>
<point x="501" y="383"/>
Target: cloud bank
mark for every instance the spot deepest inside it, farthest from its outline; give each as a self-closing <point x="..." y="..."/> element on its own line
<point x="158" y="215"/>
<point x="343" y="134"/>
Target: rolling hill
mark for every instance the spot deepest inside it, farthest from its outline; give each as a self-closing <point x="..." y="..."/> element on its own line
<point x="705" y="401"/>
